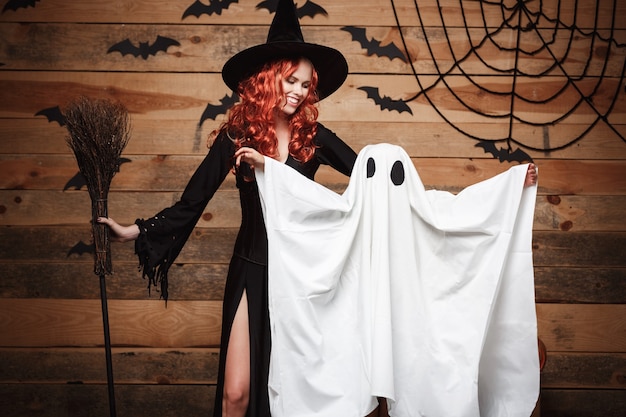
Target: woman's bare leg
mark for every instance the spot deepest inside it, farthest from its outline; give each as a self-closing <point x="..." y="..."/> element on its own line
<point x="381" y="410"/>
<point x="237" y="372"/>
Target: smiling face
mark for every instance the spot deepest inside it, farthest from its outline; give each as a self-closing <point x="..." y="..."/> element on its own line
<point x="296" y="86"/>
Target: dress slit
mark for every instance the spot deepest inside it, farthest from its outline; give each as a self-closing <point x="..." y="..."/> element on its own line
<point x="252" y="277"/>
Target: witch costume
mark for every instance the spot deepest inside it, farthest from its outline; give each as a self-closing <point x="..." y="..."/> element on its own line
<point x="163" y="236"/>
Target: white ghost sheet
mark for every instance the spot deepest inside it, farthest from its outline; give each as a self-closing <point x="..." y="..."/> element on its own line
<point x="423" y="297"/>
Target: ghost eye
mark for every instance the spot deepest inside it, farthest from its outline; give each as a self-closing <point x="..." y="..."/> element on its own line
<point x="397" y="173"/>
<point x="371" y="167"/>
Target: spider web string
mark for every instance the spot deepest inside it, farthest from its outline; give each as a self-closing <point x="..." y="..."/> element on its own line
<point x="571" y="81"/>
<point x="547" y="45"/>
<point x="559" y="63"/>
<point x="424" y="90"/>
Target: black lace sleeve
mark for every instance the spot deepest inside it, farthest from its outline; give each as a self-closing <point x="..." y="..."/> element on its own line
<point x="162" y="237"/>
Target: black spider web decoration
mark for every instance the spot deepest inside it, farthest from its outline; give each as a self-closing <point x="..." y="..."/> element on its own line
<point x="543" y="83"/>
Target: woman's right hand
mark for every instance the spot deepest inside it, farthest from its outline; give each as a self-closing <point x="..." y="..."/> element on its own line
<point x="251" y="156"/>
<point x="120" y="233"/>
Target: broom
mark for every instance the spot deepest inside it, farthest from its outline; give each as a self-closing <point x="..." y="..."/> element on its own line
<point x="98" y="133"/>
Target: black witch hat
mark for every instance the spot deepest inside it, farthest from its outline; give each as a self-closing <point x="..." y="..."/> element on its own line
<point x="285" y="40"/>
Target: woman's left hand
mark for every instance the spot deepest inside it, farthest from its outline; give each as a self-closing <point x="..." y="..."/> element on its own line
<point x="251" y="156"/>
<point x="531" y="176"/>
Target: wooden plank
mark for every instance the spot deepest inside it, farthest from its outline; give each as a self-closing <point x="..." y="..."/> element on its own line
<point x="582" y="403"/>
<point x="580" y="213"/>
<point x="59" y="172"/>
<point x="185" y="96"/>
<point x="146" y="323"/>
<point x="582" y="327"/>
<point x="130" y="366"/>
<point x="165" y="96"/>
<point x="580" y="285"/>
<point x="601" y="249"/>
<point x="584" y="370"/>
<point x="171" y="173"/>
<point x="67" y="323"/>
<point x="68" y="400"/>
<point x="72" y="400"/>
<point x="242" y="12"/>
<point x="199" y="366"/>
<point x="21" y="207"/>
<point x="156" y="137"/>
<point x="211" y="245"/>
<point x="432" y="50"/>
<point x="29" y="208"/>
<point x="85" y="47"/>
<point x="419" y="139"/>
<point x="63" y="244"/>
<point x="367" y="12"/>
<point x="76" y="280"/>
<point x="198" y="281"/>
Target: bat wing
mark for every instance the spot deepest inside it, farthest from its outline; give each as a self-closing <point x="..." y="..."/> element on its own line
<point x="311" y="10"/>
<point x="519" y="155"/>
<point x="53" y="114"/>
<point x="18" y="4"/>
<point x="488" y="147"/>
<point x="372" y="47"/>
<point x="225" y="4"/>
<point x="212" y="111"/>
<point x="504" y="154"/>
<point x="125" y="47"/>
<point x="120" y="162"/>
<point x="391" y="51"/>
<point x="198" y="8"/>
<point x="161" y="44"/>
<point x="386" y="102"/>
<point x="358" y="35"/>
<point x="270" y="5"/>
<point x="80" y="248"/>
<point x="77" y="182"/>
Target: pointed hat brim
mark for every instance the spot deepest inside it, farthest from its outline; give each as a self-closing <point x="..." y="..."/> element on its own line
<point x="285" y="41"/>
<point x="330" y="64"/>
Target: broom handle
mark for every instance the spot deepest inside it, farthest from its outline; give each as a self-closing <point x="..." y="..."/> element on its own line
<point x="107" y="345"/>
<point x="102" y="266"/>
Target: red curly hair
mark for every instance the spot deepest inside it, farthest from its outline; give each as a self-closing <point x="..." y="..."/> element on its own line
<point x="251" y="120"/>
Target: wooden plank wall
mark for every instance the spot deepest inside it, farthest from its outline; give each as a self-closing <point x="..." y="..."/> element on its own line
<point x="165" y="358"/>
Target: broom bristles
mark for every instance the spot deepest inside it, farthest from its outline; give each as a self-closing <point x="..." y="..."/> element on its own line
<point x="99" y="130"/>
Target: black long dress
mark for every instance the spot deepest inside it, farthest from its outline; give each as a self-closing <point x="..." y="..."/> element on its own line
<point x="163" y="236"/>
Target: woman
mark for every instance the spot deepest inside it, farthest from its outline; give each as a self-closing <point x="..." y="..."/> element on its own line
<point x="278" y="83"/>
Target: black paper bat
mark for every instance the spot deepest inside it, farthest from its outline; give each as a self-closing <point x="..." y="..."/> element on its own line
<point x="144" y="49"/>
<point x="80" y="248"/>
<point x="504" y="154"/>
<point x="53" y="114"/>
<point x="386" y="103"/>
<point x="78" y="181"/>
<point x="372" y="47"/>
<point x="18" y="4"/>
<point x="212" y="111"/>
<point x="309" y="8"/>
<point x="198" y="8"/>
